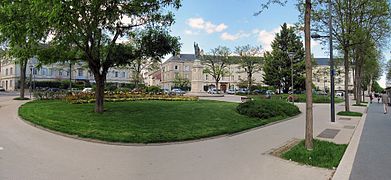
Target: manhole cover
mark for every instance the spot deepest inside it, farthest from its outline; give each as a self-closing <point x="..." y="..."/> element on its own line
<point x="346" y="119"/>
<point x="349" y="127"/>
<point x="329" y="133"/>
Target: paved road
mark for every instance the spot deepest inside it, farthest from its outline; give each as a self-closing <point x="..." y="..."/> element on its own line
<point x="373" y="158"/>
<point x="30" y="153"/>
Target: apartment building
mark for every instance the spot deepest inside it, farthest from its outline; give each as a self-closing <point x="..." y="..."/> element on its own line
<point x="182" y="65"/>
<point x="10" y="73"/>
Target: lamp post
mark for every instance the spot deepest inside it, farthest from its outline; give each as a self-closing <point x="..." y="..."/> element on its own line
<point x="31" y="76"/>
<point x="332" y="71"/>
<point x="291" y="56"/>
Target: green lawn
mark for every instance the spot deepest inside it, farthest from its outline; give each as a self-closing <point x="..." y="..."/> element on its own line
<point x="141" y="121"/>
<point x="301" y="98"/>
<point x="362" y="105"/>
<point x="350" y="113"/>
<point x="324" y="154"/>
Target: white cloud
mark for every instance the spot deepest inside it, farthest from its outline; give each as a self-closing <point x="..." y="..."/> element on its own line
<point x="266" y="37"/>
<point x="209" y="27"/>
<point x="190" y="32"/>
<point x="232" y="37"/>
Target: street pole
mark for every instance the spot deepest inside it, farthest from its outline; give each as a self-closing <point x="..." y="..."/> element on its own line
<point x="293" y="99"/>
<point x="332" y="96"/>
<point x="31" y="76"/>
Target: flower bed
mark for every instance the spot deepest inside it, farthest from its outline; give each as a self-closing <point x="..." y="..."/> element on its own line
<point x="81" y="98"/>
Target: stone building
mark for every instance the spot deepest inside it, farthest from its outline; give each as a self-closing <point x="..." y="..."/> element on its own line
<point x="10" y="73"/>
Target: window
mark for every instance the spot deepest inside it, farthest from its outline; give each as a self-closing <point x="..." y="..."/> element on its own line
<point x="233" y="78"/>
<point x="187" y="76"/>
<point x="206" y="77"/>
<point x="6" y="72"/>
<point x="116" y="74"/>
<point x="50" y="72"/>
<point x="176" y="67"/>
<point x="44" y="71"/>
<point x="187" y="68"/>
<point x="10" y="83"/>
<point x="123" y="75"/>
<point x="35" y="71"/>
<point x="80" y="72"/>
<point x="60" y="73"/>
<point x="11" y="69"/>
<point x="67" y="73"/>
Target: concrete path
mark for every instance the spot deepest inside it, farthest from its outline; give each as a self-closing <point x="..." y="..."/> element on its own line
<point x="373" y="158"/>
<point x="30" y="153"/>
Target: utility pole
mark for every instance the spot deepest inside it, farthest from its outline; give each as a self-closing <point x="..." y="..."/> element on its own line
<point x="332" y="71"/>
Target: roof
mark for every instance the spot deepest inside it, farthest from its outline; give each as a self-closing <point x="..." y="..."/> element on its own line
<point x="322" y="61"/>
<point x="182" y="57"/>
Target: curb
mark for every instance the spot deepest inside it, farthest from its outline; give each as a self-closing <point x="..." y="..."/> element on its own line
<point x="345" y="166"/>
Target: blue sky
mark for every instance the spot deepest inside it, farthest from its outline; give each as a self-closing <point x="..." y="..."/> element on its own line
<point x="231" y="23"/>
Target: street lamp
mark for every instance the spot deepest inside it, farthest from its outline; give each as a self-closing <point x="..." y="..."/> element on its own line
<point x="332" y="71"/>
<point x="31" y="76"/>
<point x="291" y="55"/>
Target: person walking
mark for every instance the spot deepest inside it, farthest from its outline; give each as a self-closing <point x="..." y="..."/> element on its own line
<point x="371" y="96"/>
<point x="385" y="101"/>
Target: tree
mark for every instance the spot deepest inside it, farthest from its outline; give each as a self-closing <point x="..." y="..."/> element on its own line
<point x="181" y="82"/>
<point x="140" y="64"/>
<point x="278" y="66"/>
<point x="94" y="29"/>
<point x="249" y="60"/>
<point x="349" y="17"/>
<point x="308" y="66"/>
<point x="21" y="30"/>
<point x="216" y="63"/>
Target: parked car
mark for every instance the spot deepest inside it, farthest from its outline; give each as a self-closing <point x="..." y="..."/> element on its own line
<point x="321" y="93"/>
<point x="213" y="91"/>
<point x="339" y="94"/>
<point x="53" y="89"/>
<point x="1" y="88"/>
<point x="177" y="91"/>
<point x="269" y="92"/>
<point x="243" y="90"/>
<point x="230" y="91"/>
<point x="166" y="91"/>
<point x="74" y="90"/>
<point x="87" y="90"/>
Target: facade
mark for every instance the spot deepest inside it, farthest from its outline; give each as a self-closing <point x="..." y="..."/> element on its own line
<point x="182" y="65"/>
<point x="321" y="76"/>
<point x="10" y="73"/>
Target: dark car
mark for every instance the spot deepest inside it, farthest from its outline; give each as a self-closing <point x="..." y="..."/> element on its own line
<point x="53" y="89"/>
<point x="1" y="88"/>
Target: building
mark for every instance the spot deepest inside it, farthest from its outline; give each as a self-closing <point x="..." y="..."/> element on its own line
<point x="321" y="76"/>
<point x="181" y="65"/>
<point x="10" y="73"/>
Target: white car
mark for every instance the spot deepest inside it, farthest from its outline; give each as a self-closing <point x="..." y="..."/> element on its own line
<point x="230" y="91"/>
<point x="339" y="94"/>
<point x="87" y="90"/>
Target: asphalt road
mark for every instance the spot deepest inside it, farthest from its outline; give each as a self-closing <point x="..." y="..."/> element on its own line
<point x="373" y="158"/>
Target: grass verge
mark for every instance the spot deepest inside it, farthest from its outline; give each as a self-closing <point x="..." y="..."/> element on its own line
<point x="349" y="113"/>
<point x="300" y="98"/>
<point x="362" y="105"/>
<point x="142" y="121"/>
<point x="324" y="154"/>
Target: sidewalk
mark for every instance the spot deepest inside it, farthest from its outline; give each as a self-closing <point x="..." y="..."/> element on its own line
<point x="373" y="158"/>
<point x="32" y="153"/>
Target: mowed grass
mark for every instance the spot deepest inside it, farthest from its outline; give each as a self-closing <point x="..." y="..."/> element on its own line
<point x="324" y="154"/>
<point x="141" y="121"/>
<point x="300" y="98"/>
<point x="349" y="113"/>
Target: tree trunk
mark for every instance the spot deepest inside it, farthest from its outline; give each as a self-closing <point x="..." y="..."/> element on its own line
<point x="23" y="65"/>
<point x="354" y="83"/>
<point x="308" y="79"/>
<point x="346" y="64"/>
<point x="249" y="82"/>
<point x="357" y="82"/>
<point x="99" y="92"/>
<point x="217" y="87"/>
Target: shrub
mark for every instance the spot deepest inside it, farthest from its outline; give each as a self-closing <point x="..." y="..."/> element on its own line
<point x="265" y="109"/>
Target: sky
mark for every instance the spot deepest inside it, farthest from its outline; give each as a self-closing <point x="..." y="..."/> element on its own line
<point x="231" y="23"/>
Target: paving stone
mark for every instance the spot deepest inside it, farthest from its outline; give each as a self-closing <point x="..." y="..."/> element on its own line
<point x="329" y="133"/>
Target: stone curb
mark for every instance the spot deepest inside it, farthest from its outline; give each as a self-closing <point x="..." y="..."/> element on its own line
<point x="345" y="166"/>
